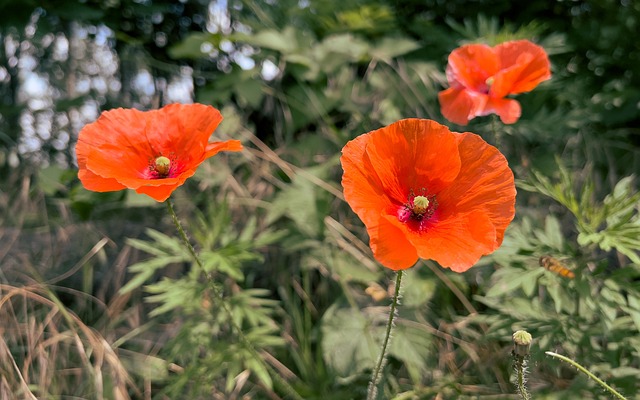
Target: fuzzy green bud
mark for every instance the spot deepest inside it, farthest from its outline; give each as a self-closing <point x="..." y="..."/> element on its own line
<point x="522" y="343"/>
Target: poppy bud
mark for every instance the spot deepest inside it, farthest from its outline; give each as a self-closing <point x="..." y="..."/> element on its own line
<point x="522" y="343"/>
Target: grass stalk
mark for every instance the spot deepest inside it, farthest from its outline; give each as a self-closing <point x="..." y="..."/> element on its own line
<point x="588" y="373"/>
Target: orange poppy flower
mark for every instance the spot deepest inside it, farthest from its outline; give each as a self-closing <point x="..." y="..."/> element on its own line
<point x="481" y="77"/>
<point x="152" y="152"/>
<point x="423" y="191"/>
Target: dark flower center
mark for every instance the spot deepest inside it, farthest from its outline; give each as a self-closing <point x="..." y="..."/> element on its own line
<point x="418" y="209"/>
<point x="161" y="167"/>
<point x="486" y="88"/>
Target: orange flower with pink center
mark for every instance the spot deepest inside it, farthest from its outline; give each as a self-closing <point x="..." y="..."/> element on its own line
<point x="423" y="191"/>
<point x="481" y="77"/>
<point x="153" y="152"/>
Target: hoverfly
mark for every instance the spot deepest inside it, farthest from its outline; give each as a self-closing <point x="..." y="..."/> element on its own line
<point x="377" y="292"/>
<point x="556" y="266"/>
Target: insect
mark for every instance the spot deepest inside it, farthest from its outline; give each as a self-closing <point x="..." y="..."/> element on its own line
<point x="556" y="266"/>
<point x="377" y="292"/>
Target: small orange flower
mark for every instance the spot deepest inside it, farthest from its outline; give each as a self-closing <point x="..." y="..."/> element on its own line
<point x="423" y="191"/>
<point x="152" y="152"/>
<point x="481" y="77"/>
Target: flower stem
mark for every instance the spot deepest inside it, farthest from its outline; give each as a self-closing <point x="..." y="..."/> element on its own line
<point x="522" y="388"/>
<point x="497" y="137"/>
<point x="222" y="302"/>
<point x="589" y="374"/>
<point x="521" y="348"/>
<point x="372" y="391"/>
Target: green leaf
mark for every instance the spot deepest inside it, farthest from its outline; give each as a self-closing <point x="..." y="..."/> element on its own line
<point x="561" y="300"/>
<point x="347" y="267"/>
<point x="250" y="91"/>
<point x="261" y="371"/>
<point x="411" y="345"/>
<point x="302" y="202"/>
<point x="511" y="279"/>
<point x="173" y="294"/>
<point x="146" y="366"/>
<point x="284" y="41"/>
<point x="50" y="180"/>
<point x="350" y="342"/>
<point x="196" y="45"/>
<point x="145" y="270"/>
<point x="621" y="372"/>
<point x="389" y="48"/>
<point x="634" y="310"/>
<point x="417" y="288"/>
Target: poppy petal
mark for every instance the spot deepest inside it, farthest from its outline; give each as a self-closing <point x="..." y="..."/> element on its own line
<point x="363" y="189"/>
<point x="117" y="144"/>
<point x="460" y="106"/>
<point x="469" y="66"/>
<point x="97" y="183"/>
<point x="481" y="77"/>
<point x="214" y="148"/>
<point x="411" y="154"/>
<point x="457" y="243"/>
<point x="508" y="110"/>
<point x="90" y="180"/>
<point x="161" y="191"/>
<point x="523" y="66"/>
<point x="383" y="166"/>
<point x="182" y="129"/>
<point x="397" y="253"/>
<point x="485" y="183"/>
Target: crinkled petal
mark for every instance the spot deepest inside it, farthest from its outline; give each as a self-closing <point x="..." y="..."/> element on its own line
<point x="457" y="242"/>
<point x="161" y="189"/>
<point x="508" y="110"/>
<point x="115" y="144"/>
<point x="97" y="183"/>
<point x="469" y="67"/>
<point x="413" y="154"/>
<point x="381" y="167"/>
<point x="214" y="148"/>
<point x="363" y="189"/>
<point x="460" y="105"/>
<point x="390" y="245"/>
<point x="90" y="180"/>
<point x="523" y="66"/>
<point x="485" y="184"/>
<point x="183" y="130"/>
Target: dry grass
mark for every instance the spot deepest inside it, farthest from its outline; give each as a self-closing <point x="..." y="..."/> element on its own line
<point x="62" y="319"/>
<point x="46" y="350"/>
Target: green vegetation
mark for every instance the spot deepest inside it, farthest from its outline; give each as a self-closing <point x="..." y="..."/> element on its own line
<point x="100" y="300"/>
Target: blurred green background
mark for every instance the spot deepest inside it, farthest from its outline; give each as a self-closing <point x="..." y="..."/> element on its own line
<point x="98" y="300"/>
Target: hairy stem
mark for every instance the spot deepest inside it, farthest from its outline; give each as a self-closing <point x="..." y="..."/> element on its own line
<point x="520" y="369"/>
<point x="225" y="307"/>
<point x="589" y="374"/>
<point x="372" y="391"/>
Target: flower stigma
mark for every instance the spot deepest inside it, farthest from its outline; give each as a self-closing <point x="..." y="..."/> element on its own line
<point x="162" y="166"/>
<point x="420" y="205"/>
